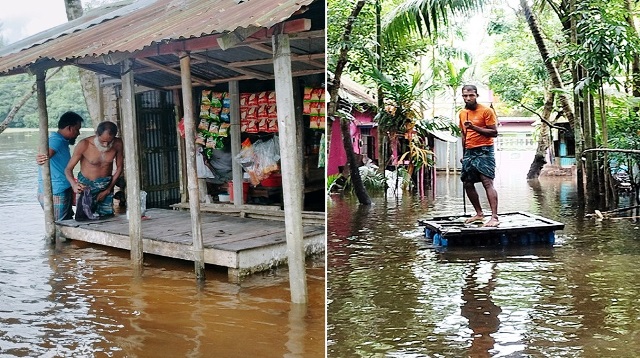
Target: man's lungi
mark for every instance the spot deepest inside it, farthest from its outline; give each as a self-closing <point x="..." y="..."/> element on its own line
<point x="476" y="161"/>
<point x="104" y="207"/>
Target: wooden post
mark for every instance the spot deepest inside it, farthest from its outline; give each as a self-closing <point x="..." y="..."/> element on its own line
<point x="291" y="168"/>
<point x="49" y="219"/>
<point x="300" y="139"/>
<point x="181" y="164"/>
<point x="131" y="170"/>
<point x="192" y="175"/>
<point x="234" y="95"/>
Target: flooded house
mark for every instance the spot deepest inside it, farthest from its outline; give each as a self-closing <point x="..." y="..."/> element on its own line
<point x="182" y="79"/>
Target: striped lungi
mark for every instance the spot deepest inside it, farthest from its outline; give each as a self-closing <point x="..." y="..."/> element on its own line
<point x="476" y="161"/>
<point x="62" y="204"/>
<point x="104" y="207"/>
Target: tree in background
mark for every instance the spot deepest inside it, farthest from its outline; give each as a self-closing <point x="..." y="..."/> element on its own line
<point x="61" y="98"/>
<point x="88" y="79"/>
<point x="18" y="107"/>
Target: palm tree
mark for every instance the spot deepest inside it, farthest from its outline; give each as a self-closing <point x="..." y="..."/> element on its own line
<point x="424" y="16"/>
<point x="454" y="78"/>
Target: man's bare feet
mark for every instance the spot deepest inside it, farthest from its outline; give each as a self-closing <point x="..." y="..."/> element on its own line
<point x="474" y="219"/>
<point x="492" y="223"/>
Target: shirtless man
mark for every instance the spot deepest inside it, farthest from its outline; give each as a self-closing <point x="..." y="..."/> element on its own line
<point x="96" y="155"/>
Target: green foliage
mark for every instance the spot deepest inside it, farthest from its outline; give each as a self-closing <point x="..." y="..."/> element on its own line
<point x="404" y="100"/>
<point x="515" y="70"/>
<point x="331" y="179"/>
<point x="397" y="56"/>
<point x="607" y="44"/>
<point x="64" y="93"/>
<point x="622" y="122"/>
<point x="372" y="179"/>
<point x="425" y="16"/>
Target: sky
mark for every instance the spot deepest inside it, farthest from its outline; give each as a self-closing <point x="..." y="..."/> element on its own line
<point x="23" y="18"/>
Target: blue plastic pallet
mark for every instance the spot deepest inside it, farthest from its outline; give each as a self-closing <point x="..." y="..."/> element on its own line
<point x="516" y="228"/>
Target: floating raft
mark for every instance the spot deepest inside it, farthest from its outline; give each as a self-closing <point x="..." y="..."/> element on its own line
<point x="516" y="228"/>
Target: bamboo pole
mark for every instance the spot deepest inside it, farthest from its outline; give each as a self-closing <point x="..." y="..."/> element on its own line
<point x="629" y="151"/>
<point x="234" y="94"/>
<point x="131" y="167"/>
<point x="192" y="175"/>
<point x="49" y="219"/>
<point x="291" y="168"/>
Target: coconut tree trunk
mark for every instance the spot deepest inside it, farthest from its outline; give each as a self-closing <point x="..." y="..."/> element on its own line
<point x="356" y="179"/>
<point x="539" y="160"/>
<point x="73" y="8"/>
<point x="635" y="64"/>
<point x="556" y="82"/>
<point x="88" y="79"/>
<point x="552" y="70"/>
<point x="332" y="107"/>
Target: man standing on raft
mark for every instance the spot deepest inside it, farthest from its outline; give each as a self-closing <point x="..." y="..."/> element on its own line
<point x="479" y="126"/>
<point x="96" y="155"/>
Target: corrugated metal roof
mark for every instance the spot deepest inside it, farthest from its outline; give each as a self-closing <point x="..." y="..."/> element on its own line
<point x="144" y="23"/>
<point x="355" y="92"/>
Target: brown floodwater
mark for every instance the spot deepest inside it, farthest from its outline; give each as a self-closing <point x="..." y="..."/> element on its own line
<point x="392" y="294"/>
<point x="74" y="299"/>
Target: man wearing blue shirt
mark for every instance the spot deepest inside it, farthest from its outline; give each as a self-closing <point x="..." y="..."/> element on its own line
<point x="59" y="155"/>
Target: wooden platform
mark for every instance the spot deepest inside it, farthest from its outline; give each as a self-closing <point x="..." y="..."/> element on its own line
<point x="516" y="228"/>
<point x="243" y="245"/>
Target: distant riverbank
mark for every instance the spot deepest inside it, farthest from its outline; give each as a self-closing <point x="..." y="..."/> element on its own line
<point x="35" y="130"/>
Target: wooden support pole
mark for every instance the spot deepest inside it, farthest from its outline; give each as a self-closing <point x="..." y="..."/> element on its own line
<point x="192" y="175"/>
<point x="131" y="168"/>
<point x="234" y="95"/>
<point x="49" y="219"/>
<point x="291" y="168"/>
<point x="181" y="164"/>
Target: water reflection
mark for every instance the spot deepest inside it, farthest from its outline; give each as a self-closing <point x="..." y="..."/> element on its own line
<point x="479" y="307"/>
<point x="391" y="294"/>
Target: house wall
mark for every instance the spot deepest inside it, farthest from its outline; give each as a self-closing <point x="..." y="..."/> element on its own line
<point x="514" y="134"/>
<point x="337" y="155"/>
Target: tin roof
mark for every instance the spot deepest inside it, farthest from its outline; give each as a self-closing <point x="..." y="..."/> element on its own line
<point x="154" y="31"/>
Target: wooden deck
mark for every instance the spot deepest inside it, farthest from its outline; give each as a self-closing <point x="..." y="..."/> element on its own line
<point x="243" y="245"/>
<point x="516" y="228"/>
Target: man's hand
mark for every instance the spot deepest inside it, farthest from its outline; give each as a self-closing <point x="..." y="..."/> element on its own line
<point x="77" y="188"/>
<point x="41" y="159"/>
<point x="103" y="194"/>
<point x="468" y="125"/>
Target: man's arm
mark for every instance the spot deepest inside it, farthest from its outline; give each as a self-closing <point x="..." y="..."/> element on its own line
<point x="42" y="158"/>
<point x="119" y="162"/>
<point x="75" y="158"/>
<point x="117" y="145"/>
<point x="488" y="131"/>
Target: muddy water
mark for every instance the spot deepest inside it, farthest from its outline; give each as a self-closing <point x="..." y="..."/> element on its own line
<point x="392" y="294"/>
<point x="81" y="300"/>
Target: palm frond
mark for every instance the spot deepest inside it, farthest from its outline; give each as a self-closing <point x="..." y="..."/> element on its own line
<point x="424" y="16"/>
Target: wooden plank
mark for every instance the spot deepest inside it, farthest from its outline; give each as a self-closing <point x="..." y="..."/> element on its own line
<point x="260" y="244"/>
